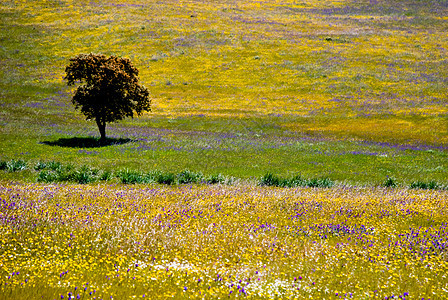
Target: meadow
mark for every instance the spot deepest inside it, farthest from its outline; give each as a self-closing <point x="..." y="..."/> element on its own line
<point x="355" y="91"/>
<point x="216" y="242"/>
<point x="247" y="96"/>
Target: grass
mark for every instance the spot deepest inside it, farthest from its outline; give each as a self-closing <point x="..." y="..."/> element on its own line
<point x="336" y="99"/>
<point x="13" y="165"/>
<point x="425" y="185"/>
<point x="270" y="179"/>
<point x="246" y="156"/>
<point x="52" y="171"/>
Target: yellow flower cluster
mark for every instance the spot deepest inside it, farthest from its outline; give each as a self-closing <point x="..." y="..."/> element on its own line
<point x="370" y="63"/>
<point x="94" y="242"/>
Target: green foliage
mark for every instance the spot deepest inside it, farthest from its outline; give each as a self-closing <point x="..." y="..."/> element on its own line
<point x="320" y="182"/>
<point x="85" y="175"/>
<point x="56" y="172"/>
<point x="53" y="165"/>
<point x="110" y="91"/>
<point x="53" y="171"/>
<point x="130" y="176"/>
<point x="295" y="181"/>
<point x="166" y="178"/>
<point x="50" y="165"/>
<point x="66" y="173"/>
<point x="106" y="175"/>
<point x="215" y="178"/>
<point x="390" y="182"/>
<point x="151" y="177"/>
<point x="47" y="176"/>
<point x="40" y="166"/>
<point x="16" y="165"/>
<point x="270" y="179"/>
<point x="431" y="185"/>
<point x="188" y="176"/>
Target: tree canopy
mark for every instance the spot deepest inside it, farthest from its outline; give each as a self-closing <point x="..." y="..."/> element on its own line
<point x="109" y="90"/>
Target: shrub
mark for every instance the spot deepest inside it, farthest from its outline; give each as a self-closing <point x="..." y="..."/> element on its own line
<point x="128" y="176"/>
<point x="53" y="165"/>
<point x="151" y="177"/>
<point x="419" y="185"/>
<point x="320" y="182"/>
<point x="390" y="182"/>
<point x="106" y="175"/>
<point x="3" y="165"/>
<point x="295" y="181"/>
<point x="270" y="179"/>
<point x="215" y="178"/>
<point x="67" y="173"/>
<point x="168" y="178"/>
<point x="40" y="166"/>
<point x="18" y="165"/>
<point x="47" y="176"/>
<point x="189" y="177"/>
<point x="55" y="172"/>
<point x="84" y="175"/>
<point x="432" y="185"/>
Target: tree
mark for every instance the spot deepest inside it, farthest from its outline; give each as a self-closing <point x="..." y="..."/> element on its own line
<point x="109" y="89"/>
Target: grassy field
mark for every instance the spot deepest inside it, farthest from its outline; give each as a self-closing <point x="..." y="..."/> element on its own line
<point x="351" y="91"/>
<point x="355" y="91"/>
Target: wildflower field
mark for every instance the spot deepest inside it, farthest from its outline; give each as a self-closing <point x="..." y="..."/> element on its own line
<point x="295" y="149"/>
<point x="120" y="242"/>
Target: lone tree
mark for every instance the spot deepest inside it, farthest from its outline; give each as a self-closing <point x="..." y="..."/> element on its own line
<point x="109" y="89"/>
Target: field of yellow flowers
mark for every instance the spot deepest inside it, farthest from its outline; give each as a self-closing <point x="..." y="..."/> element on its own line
<point x="242" y="241"/>
<point x="369" y="69"/>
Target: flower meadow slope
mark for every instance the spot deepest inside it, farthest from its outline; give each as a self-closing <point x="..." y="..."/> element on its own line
<point x="366" y="69"/>
<point x="120" y="242"/>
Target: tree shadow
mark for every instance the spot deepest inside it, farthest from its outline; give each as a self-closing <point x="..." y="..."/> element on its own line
<point x="86" y="142"/>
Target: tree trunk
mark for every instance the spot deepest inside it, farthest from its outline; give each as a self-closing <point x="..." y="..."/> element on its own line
<point x="102" y="128"/>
